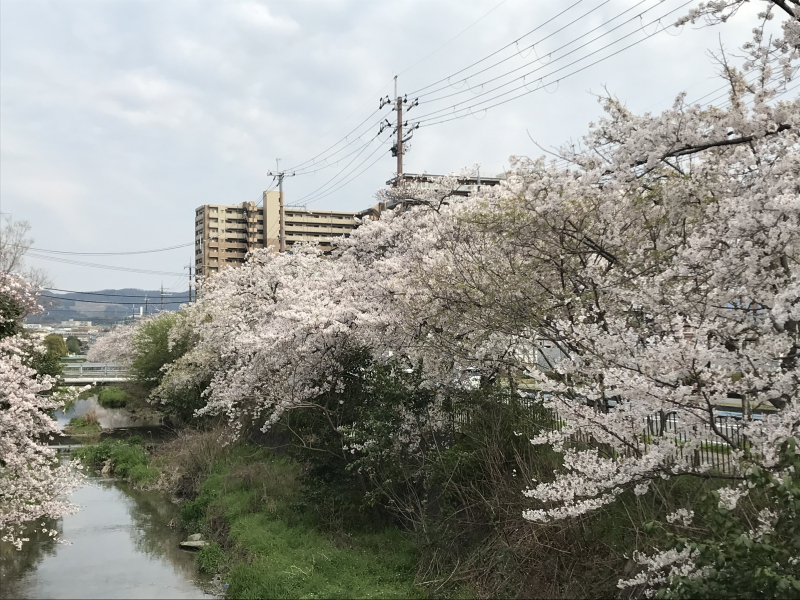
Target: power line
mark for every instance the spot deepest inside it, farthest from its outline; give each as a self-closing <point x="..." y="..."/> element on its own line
<point x="459" y="34"/>
<point x="516" y="41"/>
<point x="98" y="266"/>
<point x="111" y="253"/>
<point x="300" y="166"/>
<point x="101" y="294"/>
<point x="104" y="301"/>
<point x="532" y="48"/>
<point x="528" y="90"/>
<point x="329" y="192"/>
<point x="430" y="116"/>
<point x="343" y="169"/>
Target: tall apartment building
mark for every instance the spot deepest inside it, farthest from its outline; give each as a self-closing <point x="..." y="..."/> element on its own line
<point x="225" y="233"/>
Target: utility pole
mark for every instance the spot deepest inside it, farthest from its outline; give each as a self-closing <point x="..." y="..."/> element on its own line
<point x="281" y="212"/>
<point x="190" y="282"/>
<point x="162" y="295"/>
<point x="399" y="108"/>
<point x="145" y="306"/>
<point x="398" y="149"/>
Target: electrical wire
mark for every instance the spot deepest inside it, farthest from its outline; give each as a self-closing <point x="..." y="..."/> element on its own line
<point x="426" y="122"/>
<point x="98" y="266"/>
<point x="102" y="294"/>
<point x="452" y="39"/>
<point x="300" y="166"/>
<point x="156" y="301"/>
<point x="111" y="253"/>
<point x="431" y="116"/>
<point x="532" y="47"/>
<point x="329" y="192"/>
<point x="341" y="172"/>
<point x="314" y="159"/>
<point x="487" y="57"/>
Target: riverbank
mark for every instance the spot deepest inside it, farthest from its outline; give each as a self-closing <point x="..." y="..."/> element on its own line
<point x="265" y="541"/>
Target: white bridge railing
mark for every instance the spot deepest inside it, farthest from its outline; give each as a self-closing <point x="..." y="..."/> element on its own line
<point x="94" y="372"/>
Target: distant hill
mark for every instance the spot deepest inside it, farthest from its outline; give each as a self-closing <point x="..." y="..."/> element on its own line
<point x="104" y="306"/>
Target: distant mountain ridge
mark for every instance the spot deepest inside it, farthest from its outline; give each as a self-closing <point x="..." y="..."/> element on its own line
<point x="104" y="306"/>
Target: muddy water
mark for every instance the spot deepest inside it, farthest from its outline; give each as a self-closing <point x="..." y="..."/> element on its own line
<point x="119" y="546"/>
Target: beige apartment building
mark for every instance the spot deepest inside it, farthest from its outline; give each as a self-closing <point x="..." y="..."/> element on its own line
<point x="225" y="233"/>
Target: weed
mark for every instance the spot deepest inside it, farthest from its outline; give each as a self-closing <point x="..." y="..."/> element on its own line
<point x="113" y="397"/>
<point x="210" y="558"/>
<point x="276" y="551"/>
<point x="129" y="460"/>
<point x="88" y="423"/>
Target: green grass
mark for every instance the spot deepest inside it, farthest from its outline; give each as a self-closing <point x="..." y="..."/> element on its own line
<point x="274" y="549"/>
<point x="82" y="425"/>
<point x="128" y="457"/>
<point x="113" y="397"/>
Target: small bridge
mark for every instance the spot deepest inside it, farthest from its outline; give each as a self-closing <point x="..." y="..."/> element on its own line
<point x="82" y="373"/>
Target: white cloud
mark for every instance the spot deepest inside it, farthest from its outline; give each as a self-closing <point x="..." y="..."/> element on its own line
<point x="115" y="111"/>
<point x="258" y="15"/>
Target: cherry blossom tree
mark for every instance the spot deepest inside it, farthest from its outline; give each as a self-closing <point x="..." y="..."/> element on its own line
<point x="657" y="259"/>
<point x="33" y="483"/>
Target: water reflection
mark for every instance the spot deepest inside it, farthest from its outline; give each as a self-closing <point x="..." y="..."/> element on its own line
<point x="119" y="547"/>
<point x="109" y="418"/>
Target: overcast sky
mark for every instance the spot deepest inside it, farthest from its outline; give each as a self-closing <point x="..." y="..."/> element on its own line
<point x="118" y="118"/>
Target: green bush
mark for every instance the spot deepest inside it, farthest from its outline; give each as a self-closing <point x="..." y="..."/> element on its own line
<point x="738" y="560"/>
<point x="113" y="397"/>
<point x="153" y="348"/>
<point x="129" y="459"/>
<point x="85" y="424"/>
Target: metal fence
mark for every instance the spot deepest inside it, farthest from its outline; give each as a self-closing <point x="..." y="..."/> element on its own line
<point x="713" y="451"/>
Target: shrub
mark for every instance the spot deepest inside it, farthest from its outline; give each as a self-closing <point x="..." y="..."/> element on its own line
<point x="113" y="397"/>
<point x="188" y="459"/>
<point x="85" y="424"/>
<point x="129" y="459"/>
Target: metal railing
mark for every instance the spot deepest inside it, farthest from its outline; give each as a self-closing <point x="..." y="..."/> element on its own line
<point x="713" y="451"/>
<point x="94" y="370"/>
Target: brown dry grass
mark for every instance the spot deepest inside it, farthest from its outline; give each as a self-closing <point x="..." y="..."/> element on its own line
<point x="186" y="461"/>
<point x="90" y="418"/>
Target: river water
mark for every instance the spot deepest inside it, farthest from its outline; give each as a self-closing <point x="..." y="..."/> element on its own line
<point x="119" y="546"/>
<point x="109" y="418"/>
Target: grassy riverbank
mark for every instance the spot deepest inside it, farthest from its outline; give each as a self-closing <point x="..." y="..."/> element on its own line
<point x="274" y="534"/>
<point x="265" y="541"/>
<point x="269" y="546"/>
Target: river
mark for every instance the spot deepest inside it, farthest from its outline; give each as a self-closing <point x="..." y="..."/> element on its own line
<point x="119" y="545"/>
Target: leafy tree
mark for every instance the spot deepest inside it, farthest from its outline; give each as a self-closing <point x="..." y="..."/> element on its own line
<point x="73" y="344"/>
<point x="153" y="348"/>
<point x="55" y="345"/>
